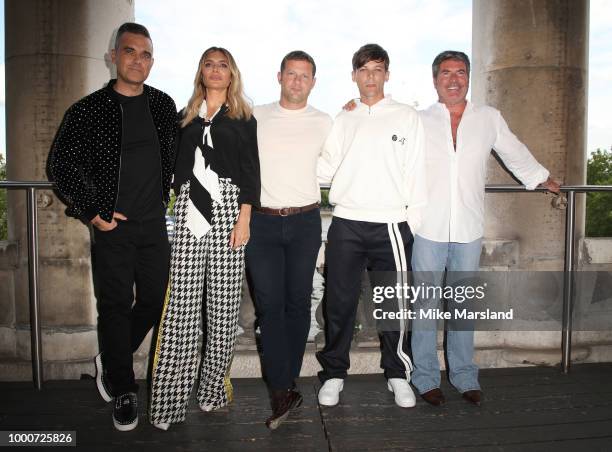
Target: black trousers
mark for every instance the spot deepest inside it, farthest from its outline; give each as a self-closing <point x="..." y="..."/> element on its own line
<point x="353" y="246"/>
<point x="134" y="253"/>
<point x="281" y="258"/>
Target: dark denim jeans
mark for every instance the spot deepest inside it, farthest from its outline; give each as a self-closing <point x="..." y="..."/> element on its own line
<point x="281" y="258"/>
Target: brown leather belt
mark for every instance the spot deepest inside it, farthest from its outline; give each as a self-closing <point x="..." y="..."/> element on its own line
<point x="286" y="211"/>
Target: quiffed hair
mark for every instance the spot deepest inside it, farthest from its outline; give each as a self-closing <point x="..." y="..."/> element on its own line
<point x="131" y="27"/>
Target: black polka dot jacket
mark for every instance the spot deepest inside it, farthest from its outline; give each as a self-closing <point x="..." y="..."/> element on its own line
<point x="85" y="156"/>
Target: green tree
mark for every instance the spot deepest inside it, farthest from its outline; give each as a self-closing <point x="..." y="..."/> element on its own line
<point x="325" y="199"/>
<point x="599" y="205"/>
<point x="3" y="214"/>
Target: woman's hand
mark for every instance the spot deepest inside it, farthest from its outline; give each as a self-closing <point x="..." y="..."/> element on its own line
<point x="242" y="232"/>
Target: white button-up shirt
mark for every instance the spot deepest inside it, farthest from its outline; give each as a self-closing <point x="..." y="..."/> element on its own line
<point x="456" y="179"/>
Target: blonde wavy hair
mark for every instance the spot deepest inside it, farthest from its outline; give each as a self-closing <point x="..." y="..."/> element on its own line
<point x="239" y="106"/>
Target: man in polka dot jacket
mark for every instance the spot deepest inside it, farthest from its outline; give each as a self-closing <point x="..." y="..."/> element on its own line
<point x="112" y="161"/>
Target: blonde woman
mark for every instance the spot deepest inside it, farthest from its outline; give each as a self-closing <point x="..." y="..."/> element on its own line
<point x="217" y="182"/>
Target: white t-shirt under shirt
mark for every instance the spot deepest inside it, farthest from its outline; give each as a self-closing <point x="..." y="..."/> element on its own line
<point x="289" y="142"/>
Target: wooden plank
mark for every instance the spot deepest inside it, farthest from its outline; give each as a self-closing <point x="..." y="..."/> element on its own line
<point x="568" y="445"/>
<point x="524" y="408"/>
<point x="539" y="412"/>
<point x="77" y="406"/>
<point x="488" y="439"/>
<point x="590" y="368"/>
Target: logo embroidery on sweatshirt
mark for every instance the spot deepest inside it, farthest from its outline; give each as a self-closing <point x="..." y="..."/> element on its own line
<point x="401" y="140"/>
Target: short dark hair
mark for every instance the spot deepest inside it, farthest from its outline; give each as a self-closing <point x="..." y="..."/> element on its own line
<point x="449" y="55"/>
<point x="131" y="27"/>
<point x="298" y="55"/>
<point x="370" y="52"/>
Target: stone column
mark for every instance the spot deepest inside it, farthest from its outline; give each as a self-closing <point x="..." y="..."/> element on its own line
<point x="530" y="61"/>
<point x="57" y="51"/>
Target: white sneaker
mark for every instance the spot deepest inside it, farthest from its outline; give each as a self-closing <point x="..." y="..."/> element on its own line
<point x="162" y="426"/>
<point x="329" y="394"/>
<point x="404" y="396"/>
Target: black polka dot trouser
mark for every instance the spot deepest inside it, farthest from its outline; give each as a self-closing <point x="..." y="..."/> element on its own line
<point x="206" y="265"/>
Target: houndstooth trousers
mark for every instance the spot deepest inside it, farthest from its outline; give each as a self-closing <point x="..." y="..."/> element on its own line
<point x="197" y="266"/>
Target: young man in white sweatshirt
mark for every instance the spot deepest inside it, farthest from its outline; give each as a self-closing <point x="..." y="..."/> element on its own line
<point x="375" y="162"/>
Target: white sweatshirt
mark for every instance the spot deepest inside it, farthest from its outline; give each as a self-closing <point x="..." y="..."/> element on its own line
<point x="374" y="159"/>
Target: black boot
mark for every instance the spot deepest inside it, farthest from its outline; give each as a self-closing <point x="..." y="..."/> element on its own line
<point x="282" y="402"/>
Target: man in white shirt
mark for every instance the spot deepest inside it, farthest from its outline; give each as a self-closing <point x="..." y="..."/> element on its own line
<point x="459" y="139"/>
<point x="286" y="230"/>
<point x="374" y="160"/>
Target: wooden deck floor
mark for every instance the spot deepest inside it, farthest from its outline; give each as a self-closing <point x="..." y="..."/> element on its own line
<point x="526" y="409"/>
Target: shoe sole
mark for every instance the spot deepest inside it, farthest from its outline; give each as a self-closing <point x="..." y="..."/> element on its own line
<point x="103" y="393"/>
<point x="298" y="403"/>
<point x="210" y="409"/>
<point x="125" y="427"/>
<point x="162" y="426"/>
<point x="275" y="423"/>
<point x="390" y="388"/>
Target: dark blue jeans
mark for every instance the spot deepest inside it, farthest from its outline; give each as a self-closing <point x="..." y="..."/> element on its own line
<point x="281" y="258"/>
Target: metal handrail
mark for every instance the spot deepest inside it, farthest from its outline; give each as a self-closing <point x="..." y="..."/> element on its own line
<point x="568" y="269"/>
<point x="32" y="235"/>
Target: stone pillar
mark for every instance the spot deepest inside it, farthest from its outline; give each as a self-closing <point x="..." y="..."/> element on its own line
<point x="530" y="61"/>
<point x="57" y="51"/>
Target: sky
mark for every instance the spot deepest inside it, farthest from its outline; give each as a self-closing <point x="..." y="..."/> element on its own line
<point x="600" y="75"/>
<point x="259" y="34"/>
<point x="330" y="31"/>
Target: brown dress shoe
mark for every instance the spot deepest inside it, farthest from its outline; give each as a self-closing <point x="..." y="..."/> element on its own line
<point x="434" y="397"/>
<point x="474" y="396"/>
<point x="282" y="402"/>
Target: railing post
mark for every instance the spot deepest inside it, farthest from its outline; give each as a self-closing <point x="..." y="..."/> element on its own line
<point x="35" y="333"/>
<point x="568" y="282"/>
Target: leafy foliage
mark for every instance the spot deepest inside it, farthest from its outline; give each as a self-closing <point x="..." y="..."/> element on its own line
<point x="171" y="202"/>
<point x="599" y="205"/>
<point x="325" y="199"/>
<point x="3" y="202"/>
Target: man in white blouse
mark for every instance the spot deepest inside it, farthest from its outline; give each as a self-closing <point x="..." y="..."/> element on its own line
<point x="459" y="138"/>
<point x="286" y="229"/>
